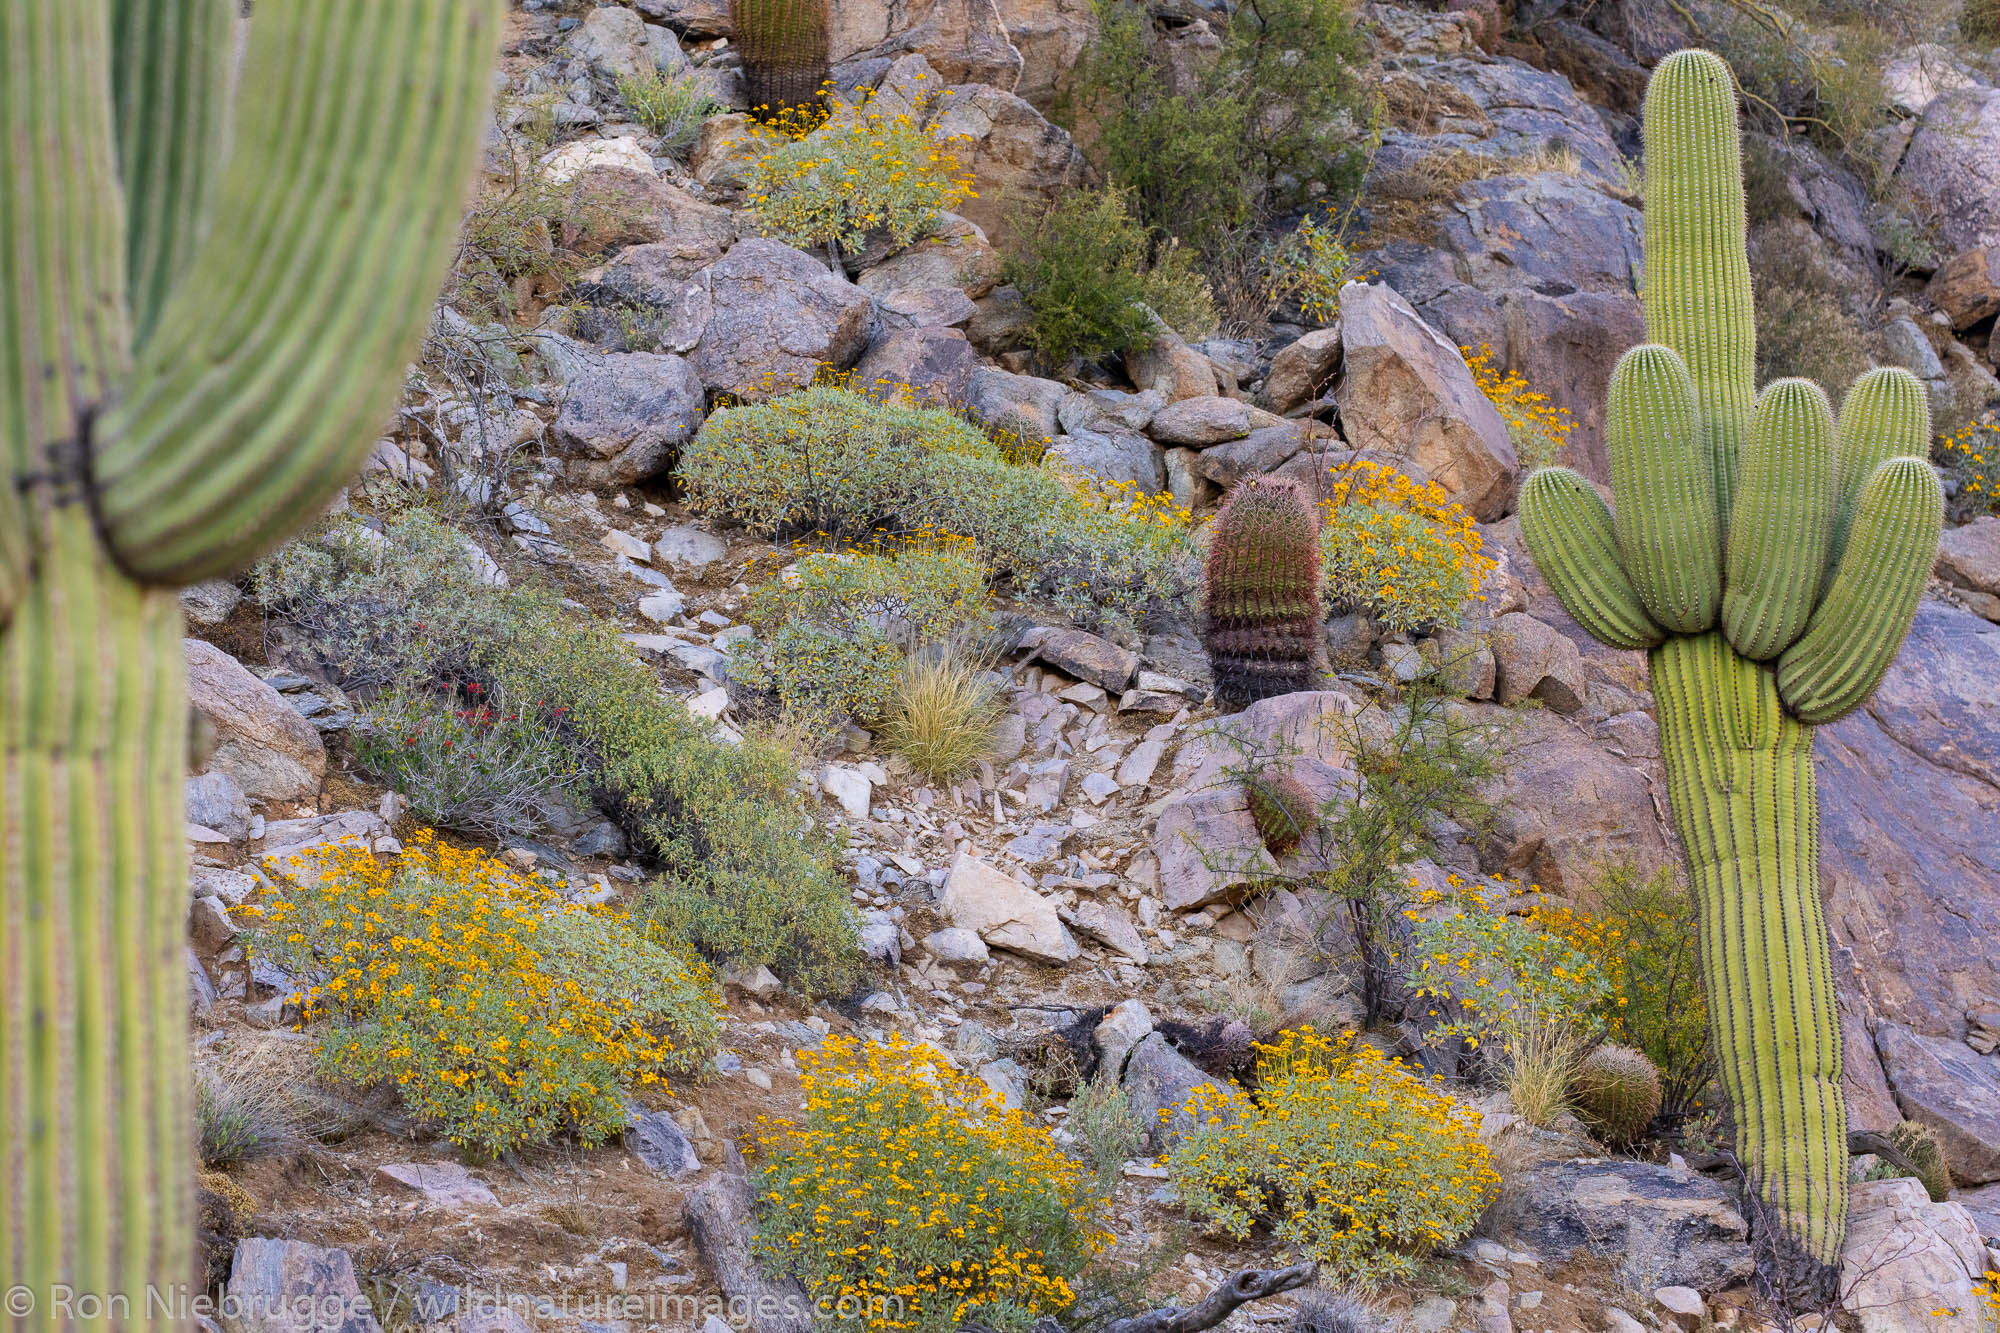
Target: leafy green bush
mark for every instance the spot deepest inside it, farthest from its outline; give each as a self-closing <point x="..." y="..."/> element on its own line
<point x="1090" y="275"/>
<point x="1308" y="268"/>
<point x="906" y="1197"/>
<point x="1274" y="121"/>
<point x="833" y="630"/>
<point x="671" y="106"/>
<point x="500" y="1012"/>
<point x="473" y="764"/>
<point x="834" y="463"/>
<point x="748" y="877"/>
<point x="1357" y="1163"/>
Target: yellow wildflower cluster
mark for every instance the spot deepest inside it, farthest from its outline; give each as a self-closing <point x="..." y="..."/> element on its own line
<point x="1489" y="971"/>
<point x="1973" y="450"/>
<point x="908" y="1197"/>
<point x="1358" y="1163"/>
<point x="1401" y="551"/>
<point x="1987" y="1289"/>
<point x="1644" y="937"/>
<point x="500" y="1011"/>
<point x="1540" y="429"/>
<point x="856" y="173"/>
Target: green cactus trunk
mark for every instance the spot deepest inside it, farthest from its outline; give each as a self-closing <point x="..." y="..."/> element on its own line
<point x="784" y="48"/>
<point x="195" y="352"/>
<point x="1770" y="561"/>
<point x="1740" y="780"/>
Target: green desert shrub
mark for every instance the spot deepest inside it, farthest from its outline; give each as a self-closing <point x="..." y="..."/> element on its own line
<point x="1275" y="120"/>
<point x="470" y="761"/>
<point x="834" y="630"/>
<point x="1804" y="329"/>
<point x="671" y="105"/>
<point x="1616" y="1091"/>
<point x="1094" y="280"/>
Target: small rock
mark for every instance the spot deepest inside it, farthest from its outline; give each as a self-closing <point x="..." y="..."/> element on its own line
<point x="1493" y="1316"/>
<point x="850" y="787"/>
<point x="758" y="981"/>
<point x="1128" y="1024"/>
<point x="620" y="542"/>
<point x="955" y="944"/>
<point x="1099" y="787"/>
<point x="1682" y="1307"/>
<point x="209" y="925"/>
<point x="1088" y="657"/>
<point x="658" y="1141"/>
<point x="689" y="548"/>
<point x="663" y="607"/>
<point x="211" y="602"/>
<point x="1003" y="912"/>
<point x="1198" y="422"/>
<point x="1109" y="925"/>
<point x="1136" y="769"/>
<point x="215" y="801"/>
<point x="712" y="704"/>
<point x="442" y="1184"/>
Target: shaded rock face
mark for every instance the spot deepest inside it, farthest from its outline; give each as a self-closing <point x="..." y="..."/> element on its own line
<point x="626" y="417"/>
<point x="966" y="41"/>
<point x="1943" y="1083"/>
<point x="1658" y="1225"/>
<point x="285" y="1286"/>
<point x="261" y="742"/>
<point x="1407" y="392"/>
<point x="1909" y="798"/>
<point x="1952" y="168"/>
<point x="1544" y="270"/>
<point x="1489" y="108"/>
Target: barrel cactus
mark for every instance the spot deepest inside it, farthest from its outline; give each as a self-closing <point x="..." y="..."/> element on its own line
<point x="198" y="348"/>
<point x="1616" y="1091"/>
<point x="1261" y="596"/>
<point x="1769" y="559"/>
<point x="784" y="48"/>
<point x="1284" y="809"/>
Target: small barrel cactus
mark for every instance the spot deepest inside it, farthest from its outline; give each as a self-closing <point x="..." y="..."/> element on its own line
<point x="1617" y="1093"/>
<point x="1920" y="1145"/>
<point x="1261" y="597"/>
<point x="1284" y="808"/>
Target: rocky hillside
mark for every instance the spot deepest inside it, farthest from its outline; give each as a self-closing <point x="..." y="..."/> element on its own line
<point x="1094" y="902"/>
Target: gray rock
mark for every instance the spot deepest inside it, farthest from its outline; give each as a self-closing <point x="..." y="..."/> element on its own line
<point x="1169" y="367"/>
<point x="200" y="988"/>
<point x="261" y="742"/>
<point x="613" y="41"/>
<point x="287" y="1286"/>
<point x="1534" y="660"/>
<point x="1969" y="556"/>
<point x="1110" y="926"/>
<point x="1967" y="286"/>
<point x="215" y="801"/>
<point x="209" y="925"/>
<point x="934" y="364"/>
<point x="764" y="318"/>
<point x="1097" y="409"/>
<point x="602" y="838"/>
<point x="624" y="419"/>
<point x="960" y="42"/>
<point x="210" y="602"/>
<point x="1406" y="392"/>
<point x="1087" y="657"/>
<point x="1128" y="1024"/>
<point x="881" y="938"/>
<point x="1520" y="110"/>
<point x="1159" y="1079"/>
<point x="1906" y="1258"/>
<point x="1020" y="403"/>
<point x="1302" y="370"/>
<point x="1951" y="1088"/>
<point x="441" y="1184"/>
<point x="955" y="944"/>
<point x="657" y="1140"/>
<point x="1658" y="1225"/>
<point x="689" y="548"/>
<point x="954" y="257"/>
<point x="1004" y="912"/>
<point x="1114" y="455"/>
<point x="1262" y="450"/>
<point x="1952" y="168"/>
<point x="1199" y="422"/>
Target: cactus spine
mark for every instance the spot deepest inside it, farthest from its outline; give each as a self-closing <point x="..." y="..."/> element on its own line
<point x="195" y="354"/>
<point x="1261" y="598"/>
<point x="1772" y="593"/>
<point x="785" y="53"/>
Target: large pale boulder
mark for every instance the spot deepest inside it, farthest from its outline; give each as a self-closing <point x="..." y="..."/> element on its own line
<point x="1952" y="168"/>
<point x="1406" y="392"/>
<point x="764" y="318"/>
<point x="1004" y="912"/>
<point x="965" y="41"/>
<point x="1910" y="1265"/>
<point x="261" y="742"/>
<point x="626" y="417"/>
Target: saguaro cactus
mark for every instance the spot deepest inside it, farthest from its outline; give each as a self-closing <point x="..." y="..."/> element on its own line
<point x="1261" y="605"/>
<point x="1770" y="561"/>
<point x="198" y="347"/>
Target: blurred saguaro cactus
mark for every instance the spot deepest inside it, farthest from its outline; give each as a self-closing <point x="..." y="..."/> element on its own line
<point x="784" y="45"/>
<point x="1769" y="559"/>
<point x="210" y="297"/>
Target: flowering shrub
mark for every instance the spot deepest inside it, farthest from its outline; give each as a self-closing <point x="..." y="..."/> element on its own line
<point x="857" y="173"/>
<point x="908" y="1197"/>
<point x="836" y="463"/>
<point x="1308" y="269"/>
<point x="1644" y="937"/>
<point x="1539" y="429"/>
<point x="1489" y="974"/>
<point x="503" y="1014"/>
<point x="1973" y="451"/>
<point x="1358" y="1163"/>
<point x="475" y="763"/>
<point x="1401" y="552"/>
<point x="833" y="630"/>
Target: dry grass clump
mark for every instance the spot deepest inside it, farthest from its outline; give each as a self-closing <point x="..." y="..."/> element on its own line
<point x="943" y="710"/>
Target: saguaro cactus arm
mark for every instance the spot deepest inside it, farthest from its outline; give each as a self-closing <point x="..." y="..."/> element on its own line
<point x="256" y="396"/>
<point x="1861" y="624"/>
<point x="1569" y="532"/>
<point x="1786" y="481"/>
<point x="1667" y="522"/>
